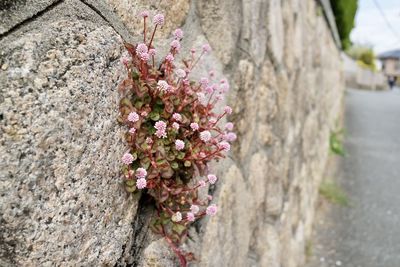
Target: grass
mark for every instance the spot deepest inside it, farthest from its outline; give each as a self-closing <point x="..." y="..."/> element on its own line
<point x="333" y="193"/>
<point x="336" y="143"/>
<point x="308" y="249"/>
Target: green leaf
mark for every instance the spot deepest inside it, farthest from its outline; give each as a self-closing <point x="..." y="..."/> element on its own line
<point x="174" y="165"/>
<point x="135" y="75"/>
<point x="139" y="104"/>
<point x="130" y="182"/>
<point x="155" y="116"/>
<point x="130" y="189"/>
<point x="161" y="162"/>
<point x="180" y="155"/>
<point x="125" y="102"/>
<point x="178" y="228"/>
<point x="170" y="156"/>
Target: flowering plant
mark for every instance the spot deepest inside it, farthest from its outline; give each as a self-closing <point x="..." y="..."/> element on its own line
<point x="173" y="133"/>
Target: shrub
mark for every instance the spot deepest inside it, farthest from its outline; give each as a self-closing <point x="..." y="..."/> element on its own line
<point x="364" y="56"/>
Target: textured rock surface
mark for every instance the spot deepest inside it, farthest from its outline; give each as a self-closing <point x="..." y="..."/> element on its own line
<point x="61" y="202"/>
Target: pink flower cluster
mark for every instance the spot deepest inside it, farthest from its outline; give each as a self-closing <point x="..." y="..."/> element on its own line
<point x="173" y="130"/>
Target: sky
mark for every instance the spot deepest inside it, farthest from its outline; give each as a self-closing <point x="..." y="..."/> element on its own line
<point x="371" y="29"/>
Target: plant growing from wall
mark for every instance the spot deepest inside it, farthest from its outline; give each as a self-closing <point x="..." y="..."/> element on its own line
<point x="173" y="133"/>
<point x="336" y="143"/>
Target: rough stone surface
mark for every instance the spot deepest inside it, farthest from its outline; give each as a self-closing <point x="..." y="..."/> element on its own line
<point x="61" y="202"/>
<point x="61" y="199"/>
<point x="129" y="10"/>
<point x="14" y="12"/>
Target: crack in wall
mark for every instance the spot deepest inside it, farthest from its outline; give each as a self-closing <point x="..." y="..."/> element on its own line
<point x="30" y="19"/>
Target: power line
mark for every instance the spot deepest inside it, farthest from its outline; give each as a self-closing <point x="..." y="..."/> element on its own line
<point x="386" y="20"/>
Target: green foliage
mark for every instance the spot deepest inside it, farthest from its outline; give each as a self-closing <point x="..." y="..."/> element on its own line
<point x="344" y="11"/>
<point x="333" y="193"/>
<point x="309" y="249"/>
<point x="336" y="143"/>
<point x="364" y="55"/>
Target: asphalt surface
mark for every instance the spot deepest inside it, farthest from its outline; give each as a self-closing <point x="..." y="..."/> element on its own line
<point x="367" y="233"/>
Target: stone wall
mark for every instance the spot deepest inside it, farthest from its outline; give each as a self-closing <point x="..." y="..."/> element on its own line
<point x="62" y="202"/>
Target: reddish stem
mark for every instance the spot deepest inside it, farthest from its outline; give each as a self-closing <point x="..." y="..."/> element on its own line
<point x="177" y="251"/>
<point x="152" y="36"/>
<point x="144" y="30"/>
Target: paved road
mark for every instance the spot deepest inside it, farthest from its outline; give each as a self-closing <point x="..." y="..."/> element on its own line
<point x="366" y="234"/>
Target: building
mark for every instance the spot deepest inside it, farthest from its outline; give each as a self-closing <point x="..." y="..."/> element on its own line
<point x="391" y="64"/>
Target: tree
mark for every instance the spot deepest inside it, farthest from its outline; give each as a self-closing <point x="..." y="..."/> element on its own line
<point x="344" y="11"/>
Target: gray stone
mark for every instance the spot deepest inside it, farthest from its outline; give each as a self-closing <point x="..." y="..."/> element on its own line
<point x="14" y="12"/>
<point x="62" y="202"/>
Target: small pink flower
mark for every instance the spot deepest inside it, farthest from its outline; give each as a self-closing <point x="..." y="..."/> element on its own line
<point x="175" y="125"/>
<point x="195" y="209"/>
<point x="211" y="73"/>
<point x="209" y="90"/>
<point x="192" y="50"/>
<point x="125" y="60"/>
<point x="152" y="52"/>
<point x="178" y="34"/>
<point x="177" y="217"/>
<point x="211" y="210"/>
<point x="144" y="14"/>
<point x="227" y="109"/>
<point x="169" y="58"/>
<point x="230" y="137"/>
<point x="132" y="130"/>
<point x="179" y="144"/>
<point x="141" y="173"/>
<point x="202" y="183"/>
<point x="160" y="127"/>
<point x="209" y="197"/>
<point x="202" y="155"/>
<point x="204" y="82"/>
<point x="141" y="49"/>
<point x="190" y="217"/>
<point x="176" y="45"/>
<point x="206" y="48"/>
<point x="170" y="88"/>
<point x="202" y="98"/>
<point x="162" y="85"/>
<point x="127" y="158"/>
<point x="224" y="88"/>
<point x="149" y="141"/>
<point x="225" y="146"/>
<point x="141" y="183"/>
<point x="219" y="97"/>
<point x="158" y="19"/>
<point x="180" y="73"/>
<point x="212" y="178"/>
<point x="229" y="126"/>
<point x="205" y="136"/>
<point x="194" y="126"/>
<point x="177" y="116"/>
<point x="223" y="81"/>
<point x="133" y="117"/>
<point x="144" y="56"/>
